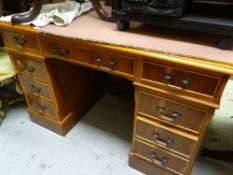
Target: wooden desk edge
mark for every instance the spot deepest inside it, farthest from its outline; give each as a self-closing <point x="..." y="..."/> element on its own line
<point x="219" y="67"/>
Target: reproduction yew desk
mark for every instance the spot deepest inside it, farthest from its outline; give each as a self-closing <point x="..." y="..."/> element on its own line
<point x="175" y="97"/>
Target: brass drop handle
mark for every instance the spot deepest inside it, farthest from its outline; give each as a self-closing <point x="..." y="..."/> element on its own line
<point x="25" y="67"/>
<point x="112" y="63"/>
<point x="176" y="114"/>
<point x="184" y="82"/>
<point x="64" y="53"/>
<point x="21" y="43"/>
<point x="167" y="77"/>
<point x="15" y="39"/>
<point x="35" y="88"/>
<point x="39" y="107"/>
<point x="157" y="160"/>
<point x="161" y="109"/>
<point x="55" y="49"/>
<point x="99" y="59"/>
<point x="174" y="86"/>
<point x="169" y="141"/>
<point x="31" y="69"/>
<point x="167" y="117"/>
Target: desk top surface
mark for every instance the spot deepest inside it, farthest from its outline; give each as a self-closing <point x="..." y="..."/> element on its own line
<point x="187" y="46"/>
<point x="146" y="37"/>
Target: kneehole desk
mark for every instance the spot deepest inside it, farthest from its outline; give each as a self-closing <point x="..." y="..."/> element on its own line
<point x="175" y="96"/>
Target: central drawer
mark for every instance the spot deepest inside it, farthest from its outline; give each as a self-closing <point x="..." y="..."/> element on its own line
<point x="166" y="137"/>
<point x="65" y="51"/>
<point x="118" y="64"/>
<point x="160" y="158"/>
<point x="175" y="113"/>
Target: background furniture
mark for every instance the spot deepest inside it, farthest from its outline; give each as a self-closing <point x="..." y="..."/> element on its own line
<point x="175" y="96"/>
<point x="11" y="6"/>
<point x="10" y="93"/>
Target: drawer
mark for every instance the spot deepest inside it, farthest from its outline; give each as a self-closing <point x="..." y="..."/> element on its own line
<point x="21" y="40"/>
<point x="35" y="87"/>
<point x="166" y="137"/>
<point x="117" y="63"/>
<point x="180" y="79"/>
<point x="160" y="158"/>
<point x="175" y="113"/>
<point x="29" y="67"/>
<point x="41" y="106"/>
<point x="146" y="167"/>
<point x="66" y="51"/>
<point x="107" y="62"/>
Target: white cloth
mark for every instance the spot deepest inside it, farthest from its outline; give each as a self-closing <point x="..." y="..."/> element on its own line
<point x="60" y="14"/>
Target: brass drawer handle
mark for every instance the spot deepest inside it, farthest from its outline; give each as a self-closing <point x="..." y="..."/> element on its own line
<point x="174" y="86"/>
<point x="167" y="117"/>
<point x="167" y="77"/>
<point x="39" y="107"/>
<point x="184" y="82"/>
<point x="15" y="39"/>
<point x="21" y="43"/>
<point x="64" y="53"/>
<point x="158" y="161"/>
<point x="27" y="68"/>
<point x="169" y="141"/>
<point x="176" y="114"/>
<point x="31" y="69"/>
<point x="35" y="88"/>
<point x="112" y="63"/>
<point x="99" y="59"/>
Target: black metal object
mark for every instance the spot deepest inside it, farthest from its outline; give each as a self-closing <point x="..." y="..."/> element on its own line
<point x="209" y="18"/>
<point x="174" y="8"/>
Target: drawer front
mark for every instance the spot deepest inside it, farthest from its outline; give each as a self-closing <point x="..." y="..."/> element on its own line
<point x="28" y="67"/>
<point x="181" y="115"/>
<point x="146" y="167"/>
<point x="166" y="137"/>
<point x="35" y="87"/>
<point x="66" y="51"/>
<point x="116" y="63"/>
<point x="104" y="61"/>
<point x="180" y="79"/>
<point x="160" y="158"/>
<point x="41" y="106"/>
<point x="21" y="40"/>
